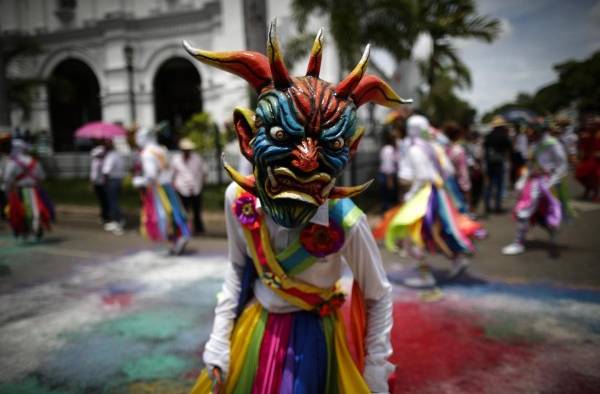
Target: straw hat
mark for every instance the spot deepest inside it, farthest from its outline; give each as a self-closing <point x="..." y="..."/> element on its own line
<point x="562" y="120"/>
<point x="498" y="121"/>
<point x="186" y="144"/>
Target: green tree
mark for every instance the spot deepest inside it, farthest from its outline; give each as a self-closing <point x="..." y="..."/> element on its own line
<point x="354" y="23"/>
<point x="394" y="25"/>
<point x="445" y="21"/>
<point x="442" y="105"/>
<point x="201" y="129"/>
<point x="577" y="83"/>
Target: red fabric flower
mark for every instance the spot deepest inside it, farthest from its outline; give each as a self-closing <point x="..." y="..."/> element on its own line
<point x="245" y="210"/>
<point x="320" y="240"/>
<point x="334" y="303"/>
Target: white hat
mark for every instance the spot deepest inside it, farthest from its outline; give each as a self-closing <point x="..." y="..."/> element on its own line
<point x="417" y="126"/>
<point x="19" y="146"/>
<point x="186" y="144"/>
<point x="144" y="136"/>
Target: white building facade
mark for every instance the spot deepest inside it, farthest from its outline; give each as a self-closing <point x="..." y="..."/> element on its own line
<point x="122" y="60"/>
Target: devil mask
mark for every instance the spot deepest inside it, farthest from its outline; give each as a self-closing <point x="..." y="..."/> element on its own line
<point x="304" y="129"/>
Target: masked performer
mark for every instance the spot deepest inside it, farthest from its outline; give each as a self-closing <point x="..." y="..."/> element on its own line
<point x="29" y="208"/>
<point x="536" y="203"/>
<point x="163" y="217"/>
<point x="279" y="325"/>
<point x="428" y="219"/>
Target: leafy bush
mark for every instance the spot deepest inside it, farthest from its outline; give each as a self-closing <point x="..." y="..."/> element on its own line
<point x="201" y="129"/>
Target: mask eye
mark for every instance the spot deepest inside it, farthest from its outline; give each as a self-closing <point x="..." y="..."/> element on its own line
<point x="278" y="134"/>
<point x="337" y="143"/>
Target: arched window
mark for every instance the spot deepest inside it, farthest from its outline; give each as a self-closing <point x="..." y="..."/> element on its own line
<point x="74" y="100"/>
<point x="177" y="93"/>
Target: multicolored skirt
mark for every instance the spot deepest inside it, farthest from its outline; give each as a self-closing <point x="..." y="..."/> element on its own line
<point x="30" y="211"/>
<point x="430" y="220"/>
<point x="299" y="352"/>
<point x="163" y="217"/>
<point x="537" y="204"/>
<point x="458" y="197"/>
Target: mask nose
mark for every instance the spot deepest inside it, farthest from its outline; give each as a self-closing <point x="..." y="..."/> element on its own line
<point x="306" y="155"/>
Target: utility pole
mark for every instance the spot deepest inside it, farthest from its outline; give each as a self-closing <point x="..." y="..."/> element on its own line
<point x="128" y="52"/>
<point x="255" y="31"/>
<point x="4" y="105"/>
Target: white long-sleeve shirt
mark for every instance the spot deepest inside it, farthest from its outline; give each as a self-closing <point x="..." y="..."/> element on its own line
<point x="359" y="252"/>
<point x="550" y="158"/>
<point x="189" y="174"/>
<point x="418" y="168"/>
<point x="96" y="162"/>
<point x="113" y="165"/>
<point x="155" y="166"/>
<point x="14" y="168"/>
<point x="387" y="160"/>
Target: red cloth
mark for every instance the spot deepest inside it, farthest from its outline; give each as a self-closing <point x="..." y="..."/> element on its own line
<point x="16" y="213"/>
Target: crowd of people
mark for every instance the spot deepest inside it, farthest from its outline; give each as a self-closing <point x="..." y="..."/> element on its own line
<point x="170" y="187"/>
<point x="427" y="173"/>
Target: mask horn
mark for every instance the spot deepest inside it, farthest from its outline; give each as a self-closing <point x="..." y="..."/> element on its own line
<point x="252" y="66"/>
<point x="314" y="62"/>
<point x="279" y="72"/>
<point x="373" y="89"/>
<point x="346" y="87"/>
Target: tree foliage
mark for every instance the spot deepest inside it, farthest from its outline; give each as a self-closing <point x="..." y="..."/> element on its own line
<point x="201" y="129"/>
<point x="578" y="83"/>
<point x="354" y="23"/>
<point x="394" y="25"/>
<point x="442" y="104"/>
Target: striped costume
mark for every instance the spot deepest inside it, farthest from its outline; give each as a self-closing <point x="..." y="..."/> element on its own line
<point x="30" y="211"/>
<point x="315" y="338"/>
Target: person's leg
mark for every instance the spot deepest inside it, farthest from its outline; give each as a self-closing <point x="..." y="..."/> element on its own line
<point x="113" y="188"/>
<point x="499" y="189"/>
<point x="423" y="277"/>
<point x="103" y="201"/>
<point x="118" y="217"/>
<point x="186" y="202"/>
<point x="476" y="191"/>
<point x="525" y="210"/>
<point x="2" y="204"/>
<point x="460" y="262"/>
<point x="197" y="212"/>
<point x="487" y="195"/>
<point x="383" y="190"/>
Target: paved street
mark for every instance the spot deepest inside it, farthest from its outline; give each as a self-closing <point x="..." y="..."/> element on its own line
<point x="85" y="311"/>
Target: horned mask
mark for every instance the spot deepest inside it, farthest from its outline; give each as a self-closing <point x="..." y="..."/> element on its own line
<point x="303" y="131"/>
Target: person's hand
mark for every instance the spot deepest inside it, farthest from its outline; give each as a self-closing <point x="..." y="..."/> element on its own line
<point x="216" y="377"/>
<point x="139" y="183"/>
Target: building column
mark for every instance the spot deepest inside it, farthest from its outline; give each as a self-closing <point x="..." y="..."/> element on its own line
<point x="40" y="118"/>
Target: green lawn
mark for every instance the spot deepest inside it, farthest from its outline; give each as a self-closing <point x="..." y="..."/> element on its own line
<point x="79" y="192"/>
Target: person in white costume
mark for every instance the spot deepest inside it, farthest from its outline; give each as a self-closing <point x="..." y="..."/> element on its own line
<point x="163" y="217"/>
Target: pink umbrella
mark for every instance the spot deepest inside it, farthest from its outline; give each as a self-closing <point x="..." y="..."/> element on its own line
<point x="100" y="130"/>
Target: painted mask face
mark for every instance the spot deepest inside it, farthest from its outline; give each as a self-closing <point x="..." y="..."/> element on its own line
<point x="304" y="130"/>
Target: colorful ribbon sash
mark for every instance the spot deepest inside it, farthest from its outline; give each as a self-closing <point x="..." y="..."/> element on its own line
<point x="277" y="271"/>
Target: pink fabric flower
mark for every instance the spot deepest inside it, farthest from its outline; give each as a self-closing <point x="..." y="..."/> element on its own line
<point x="320" y="240"/>
<point x="245" y="210"/>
